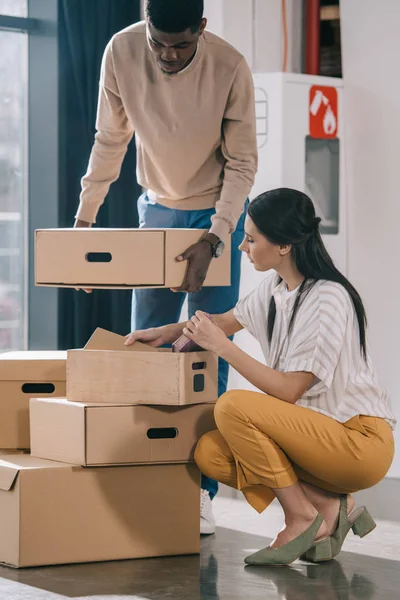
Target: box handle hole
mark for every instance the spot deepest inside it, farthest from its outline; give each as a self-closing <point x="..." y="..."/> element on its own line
<point x="199" y="366"/>
<point x="98" y="257"/>
<point x="198" y="383"/>
<point x="38" y="388"/>
<point x="162" y="433"/>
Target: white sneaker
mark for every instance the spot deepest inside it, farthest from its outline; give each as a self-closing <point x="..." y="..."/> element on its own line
<point x="207" y="520"/>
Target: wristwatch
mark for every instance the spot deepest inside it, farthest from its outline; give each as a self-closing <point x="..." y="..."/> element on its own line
<point x="217" y="245"/>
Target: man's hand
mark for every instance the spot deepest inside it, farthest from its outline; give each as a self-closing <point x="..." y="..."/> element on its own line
<point x="199" y="257"/>
<point x="156" y="336"/>
<point x="82" y="224"/>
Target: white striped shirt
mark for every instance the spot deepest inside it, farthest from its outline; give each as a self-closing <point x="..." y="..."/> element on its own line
<point x="324" y="340"/>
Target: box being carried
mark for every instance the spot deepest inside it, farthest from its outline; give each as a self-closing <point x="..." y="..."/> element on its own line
<point x="52" y="513"/>
<point x="120" y="258"/>
<point x="24" y="375"/>
<point x="108" y="434"/>
<point x="107" y="371"/>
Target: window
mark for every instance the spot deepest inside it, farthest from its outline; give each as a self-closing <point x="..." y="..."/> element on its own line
<point x="28" y="168"/>
<point x="13" y="180"/>
<point x="14" y="8"/>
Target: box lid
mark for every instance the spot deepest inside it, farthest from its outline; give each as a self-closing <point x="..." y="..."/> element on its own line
<point x="33" y="366"/>
<point x="107" y="340"/>
<point x="80" y="405"/>
<point x="11" y="467"/>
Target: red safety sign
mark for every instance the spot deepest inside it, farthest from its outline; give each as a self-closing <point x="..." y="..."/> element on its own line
<point x="323" y="112"/>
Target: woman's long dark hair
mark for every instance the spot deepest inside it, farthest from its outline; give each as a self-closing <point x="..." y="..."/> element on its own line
<point x="287" y="217"/>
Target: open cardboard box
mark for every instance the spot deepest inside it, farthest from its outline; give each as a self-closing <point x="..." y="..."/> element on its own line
<point x="24" y="375"/>
<point x="101" y="434"/>
<point x="119" y="258"/>
<point x="53" y="513"/>
<point x="107" y="371"/>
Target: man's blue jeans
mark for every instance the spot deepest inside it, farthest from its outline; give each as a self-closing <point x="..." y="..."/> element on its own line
<point x="156" y="307"/>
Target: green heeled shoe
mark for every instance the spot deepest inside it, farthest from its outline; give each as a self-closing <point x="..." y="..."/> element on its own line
<point x="292" y="550"/>
<point x="360" y="521"/>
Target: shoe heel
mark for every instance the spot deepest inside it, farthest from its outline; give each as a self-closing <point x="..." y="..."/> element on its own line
<point x="320" y="552"/>
<point x="364" y="524"/>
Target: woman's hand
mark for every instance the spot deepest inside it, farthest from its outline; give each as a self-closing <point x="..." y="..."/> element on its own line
<point x="156" y="336"/>
<point x="205" y="333"/>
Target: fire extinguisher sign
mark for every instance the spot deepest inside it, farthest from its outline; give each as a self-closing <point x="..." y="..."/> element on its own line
<point x="323" y="112"/>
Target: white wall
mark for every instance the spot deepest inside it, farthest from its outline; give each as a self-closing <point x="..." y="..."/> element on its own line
<point x="371" y="47"/>
<point x="371" y="50"/>
<point x="255" y="28"/>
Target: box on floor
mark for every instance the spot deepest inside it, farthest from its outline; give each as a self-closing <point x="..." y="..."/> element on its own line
<point x="107" y="371"/>
<point x="100" y="434"/>
<point x="53" y="513"/>
<point x="24" y="375"/>
<point x="120" y="258"/>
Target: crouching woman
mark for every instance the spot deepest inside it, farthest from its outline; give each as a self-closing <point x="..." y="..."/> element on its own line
<point x="321" y="426"/>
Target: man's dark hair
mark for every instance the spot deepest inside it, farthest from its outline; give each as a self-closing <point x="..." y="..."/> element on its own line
<point x="174" y="16"/>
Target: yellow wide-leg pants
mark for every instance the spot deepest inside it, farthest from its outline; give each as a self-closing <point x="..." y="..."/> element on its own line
<point x="264" y="443"/>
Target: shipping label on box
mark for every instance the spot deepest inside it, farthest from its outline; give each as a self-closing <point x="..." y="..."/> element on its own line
<point x="120" y="258"/>
<point x="52" y="513"/>
<point x="97" y="374"/>
<point x="99" y="434"/>
<point x="25" y="375"/>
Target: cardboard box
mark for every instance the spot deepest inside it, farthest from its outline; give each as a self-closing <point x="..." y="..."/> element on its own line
<point x="119" y="258"/>
<point x="107" y="371"/>
<point x="52" y="513"/>
<point x="24" y="375"/>
<point x="100" y="434"/>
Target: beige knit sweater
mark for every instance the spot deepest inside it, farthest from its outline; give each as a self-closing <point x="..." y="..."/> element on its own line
<point x="195" y="131"/>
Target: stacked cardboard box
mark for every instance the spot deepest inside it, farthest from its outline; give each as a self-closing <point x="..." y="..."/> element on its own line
<point x="97" y="258"/>
<point x="24" y="375"/>
<point x="111" y="473"/>
<point x="55" y="513"/>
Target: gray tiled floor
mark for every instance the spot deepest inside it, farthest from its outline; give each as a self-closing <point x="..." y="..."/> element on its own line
<point x="367" y="570"/>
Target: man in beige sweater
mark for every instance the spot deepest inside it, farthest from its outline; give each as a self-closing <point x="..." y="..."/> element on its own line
<point x="188" y="97"/>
